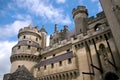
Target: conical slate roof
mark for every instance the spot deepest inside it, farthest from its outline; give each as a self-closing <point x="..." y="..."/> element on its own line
<point x="22" y="74"/>
<point x="43" y="29"/>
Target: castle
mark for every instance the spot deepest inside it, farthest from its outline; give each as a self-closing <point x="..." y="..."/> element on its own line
<point x="90" y="52"/>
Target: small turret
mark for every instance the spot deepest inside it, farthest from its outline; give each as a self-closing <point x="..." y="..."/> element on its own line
<point x="65" y="28"/>
<point x="43" y="37"/>
<point x="80" y="16"/>
<point x="26" y="51"/>
<point x="56" y="28"/>
<point x="51" y="40"/>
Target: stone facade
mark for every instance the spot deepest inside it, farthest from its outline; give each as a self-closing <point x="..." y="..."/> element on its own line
<point x="87" y="53"/>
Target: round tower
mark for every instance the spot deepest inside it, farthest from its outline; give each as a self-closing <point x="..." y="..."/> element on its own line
<point x="26" y="51"/>
<point x="80" y="16"/>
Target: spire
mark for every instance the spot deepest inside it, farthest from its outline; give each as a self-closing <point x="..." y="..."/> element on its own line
<point x="65" y="27"/>
<point x="56" y="28"/>
<point x="43" y="29"/>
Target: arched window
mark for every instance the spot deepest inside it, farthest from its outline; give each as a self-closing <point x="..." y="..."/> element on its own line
<point x="110" y="76"/>
<point x="97" y="27"/>
<point x="36" y="39"/>
<point x="24" y="37"/>
<point x="102" y="50"/>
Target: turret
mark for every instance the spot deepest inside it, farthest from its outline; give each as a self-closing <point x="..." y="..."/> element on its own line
<point x="80" y="16"/>
<point x="26" y="51"/>
<point x="43" y="37"/>
<point x="56" y="28"/>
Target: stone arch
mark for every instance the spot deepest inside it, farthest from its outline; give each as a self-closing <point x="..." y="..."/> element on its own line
<point x="57" y="77"/>
<point x="75" y="74"/>
<point x="60" y="76"/>
<point x="63" y="76"/>
<point x="71" y="75"/>
<point x="101" y="37"/>
<point x="111" y="76"/>
<point x="50" y="78"/>
<point x="16" y="57"/>
<point x="47" y="78"/>
<point x="102" y="49"/>
<point x="67" y="75"/>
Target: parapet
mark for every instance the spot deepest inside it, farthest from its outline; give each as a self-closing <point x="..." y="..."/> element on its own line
<point x="93" y="19"/>
<point x="33" y="29"/>
<point x="29" y="29"/>
<point x="79" y="9"/>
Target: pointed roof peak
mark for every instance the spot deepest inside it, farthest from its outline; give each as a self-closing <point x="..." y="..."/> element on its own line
<point x="43" y="29"/>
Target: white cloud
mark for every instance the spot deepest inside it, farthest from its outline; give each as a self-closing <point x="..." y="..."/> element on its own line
<point x="60" y="1"/>
<point x="10" y="30"/>
<point x="44" y="9"/>
<point x="22" y="17"/>
<point x="5" y="52"/>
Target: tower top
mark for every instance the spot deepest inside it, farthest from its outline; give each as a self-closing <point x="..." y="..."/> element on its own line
<point x="43" y="29"/>
<point x="79" y="9"/>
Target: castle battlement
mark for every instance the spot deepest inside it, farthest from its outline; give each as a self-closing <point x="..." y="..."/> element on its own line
<point x="31" y="29"/>
<point x="75" y="39"/>
<point x="93" y="19"/>
<point x="57" y="45"/>
<point x="79" y="9"/>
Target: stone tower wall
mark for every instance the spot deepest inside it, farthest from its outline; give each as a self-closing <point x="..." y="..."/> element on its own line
<point x="26" y="51"/>
<point x="80" y="18"/>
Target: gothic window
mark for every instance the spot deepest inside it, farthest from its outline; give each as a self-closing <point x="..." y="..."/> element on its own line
<point x="18" y="47"/>
<point x="28" y="46"/>
<point x="38" y="49"/>
<point x="69" y="61"/>
<point x="45" y="67"/>
<point x="24" y="37"/>
<point x="103" y="50"/>
<point x="52" y="65"/>
<point x="60" y="63"/>
<point x="80" y="30"/>
<point x="36" y="39"/>
<point x="38" y="68"/>
<point x="97" y="27"/>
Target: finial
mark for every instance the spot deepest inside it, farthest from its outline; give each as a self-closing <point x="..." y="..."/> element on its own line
<point x="43" y="29"/>
<point x="56" y="28"/>
<point x="65" y="27"/>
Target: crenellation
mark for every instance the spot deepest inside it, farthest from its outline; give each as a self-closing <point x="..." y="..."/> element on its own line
<point x="93" y="19"/>
<point x="79" y="9"/>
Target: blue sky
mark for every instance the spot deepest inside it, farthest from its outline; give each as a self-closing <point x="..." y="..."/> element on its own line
<point x="16" y="14"/>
